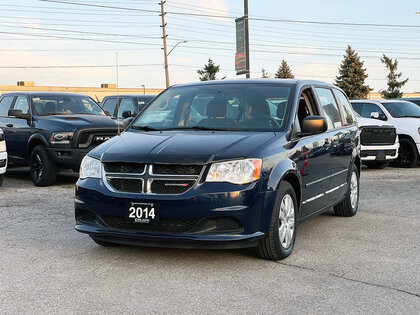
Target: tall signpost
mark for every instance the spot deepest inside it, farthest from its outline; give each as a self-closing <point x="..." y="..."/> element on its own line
<point x="242" y="43"/>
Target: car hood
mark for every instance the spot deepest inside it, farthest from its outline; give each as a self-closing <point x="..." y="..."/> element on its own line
<point x="73" y="122"/>
<point x="364" y="122"/>
<point x="194" y="147"/>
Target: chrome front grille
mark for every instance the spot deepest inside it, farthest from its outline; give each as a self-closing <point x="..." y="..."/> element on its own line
<point x="140" y="178"/>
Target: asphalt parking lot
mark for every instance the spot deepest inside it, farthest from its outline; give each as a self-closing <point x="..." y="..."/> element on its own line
<point x="366" y="264"/>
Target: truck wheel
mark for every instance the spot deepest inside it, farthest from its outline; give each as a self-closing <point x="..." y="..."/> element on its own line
<point x="348" y="207"/>
<point x="407" y="154"/>
<point x="281" y="237"/>
<point x="1" y="179"/>
<point x="376" y="165"/>
<point x="43" y="170"/>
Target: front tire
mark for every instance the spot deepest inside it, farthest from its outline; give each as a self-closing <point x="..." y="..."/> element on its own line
<point x="282" y="233"/>
<point x="43" y="170"/>
<point x="348" y="207"/>
<point x="407" y="154"/>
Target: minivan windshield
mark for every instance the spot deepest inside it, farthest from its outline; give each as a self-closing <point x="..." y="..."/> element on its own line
<point x="250" y="107"/>
<point x="65" y="105"/>
<point x="402" y="109"/>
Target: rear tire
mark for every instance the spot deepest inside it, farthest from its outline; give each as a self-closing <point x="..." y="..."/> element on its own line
<point x="376" y="165"/>
<point x="1" y="179"/>
<point x="102" y="243"/>
<point x="348" y="207"/>
<point x="281" y="236"/>
<point x="407" y="154"/>
<point x="43" y="170"/>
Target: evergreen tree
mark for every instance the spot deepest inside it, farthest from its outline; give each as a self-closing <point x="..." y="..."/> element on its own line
<point x="352" y="76"/>
<point x="284" y="71"/>
<point x="209" y="71"/>
<point x="264" y="74"/>
<point x="394" y="85"/>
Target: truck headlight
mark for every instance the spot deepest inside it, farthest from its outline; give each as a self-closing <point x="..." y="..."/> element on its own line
<point x="61" y="138"/>
<point x="235" y="172"/>
<point x="418" y="130"/>
<point x="90" y="168"/>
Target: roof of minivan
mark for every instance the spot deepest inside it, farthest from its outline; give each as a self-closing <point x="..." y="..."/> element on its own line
<point x="259" y="81"/>
<point x="43" y="93"/>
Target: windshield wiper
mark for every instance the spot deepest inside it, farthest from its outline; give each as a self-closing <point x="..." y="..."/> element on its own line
<point x="195" y="128"/>
<point x="145" y="128"/>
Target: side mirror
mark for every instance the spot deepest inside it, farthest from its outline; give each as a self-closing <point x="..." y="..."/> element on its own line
<point x="374" y="115"/>
<point x="314" y="124"/>
<point x="17" y="113"/>
<point x="127" y="114"/>
<point x="127" y="122"/>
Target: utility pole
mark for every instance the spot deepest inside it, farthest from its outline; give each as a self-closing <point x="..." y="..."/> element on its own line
<point x="246" y="38"/>
<point x="162" y="11"/>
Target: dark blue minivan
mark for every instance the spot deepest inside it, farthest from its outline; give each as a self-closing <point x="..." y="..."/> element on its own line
<point x="223" y="164"/>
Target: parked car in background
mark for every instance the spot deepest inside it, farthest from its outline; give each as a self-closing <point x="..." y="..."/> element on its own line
<point x="124" y="106"/>
<point x="379" y="142"/>
<point x="239" y="174"/>
<point x="3" y="157"/>
<point x="415" y="100"/>
<point x="404" y="116"/>
<point x="51" y="131"/>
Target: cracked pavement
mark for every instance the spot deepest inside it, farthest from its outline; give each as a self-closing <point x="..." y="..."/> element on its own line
<point x="366" y="264"/>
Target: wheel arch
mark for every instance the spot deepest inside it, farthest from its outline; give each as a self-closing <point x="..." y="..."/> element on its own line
<point x="34" y="140"/>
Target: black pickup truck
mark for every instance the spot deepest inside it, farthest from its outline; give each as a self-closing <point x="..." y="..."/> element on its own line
<point x="52" y="131"/>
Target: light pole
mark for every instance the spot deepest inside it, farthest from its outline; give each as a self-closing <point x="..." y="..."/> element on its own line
<point x="181" y="42"/>
<point x="144" y="88"/>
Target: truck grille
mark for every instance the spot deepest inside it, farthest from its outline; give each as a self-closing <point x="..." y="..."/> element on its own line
<point x="175" y="226"/>
<point x="377" y="136"/>
<point x="150" y="178"/>
<point x="87" y="138"/>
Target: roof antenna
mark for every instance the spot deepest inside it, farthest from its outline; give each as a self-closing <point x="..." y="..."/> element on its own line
<point x="118" y="101"/>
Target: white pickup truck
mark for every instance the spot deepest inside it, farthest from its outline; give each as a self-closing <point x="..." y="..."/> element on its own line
<point x="3" y="157"/>
<point x="378" y="142"/>
<point x="405" y="116"/>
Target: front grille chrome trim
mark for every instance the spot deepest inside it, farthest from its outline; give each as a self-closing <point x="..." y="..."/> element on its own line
<point x="147" y="177"/>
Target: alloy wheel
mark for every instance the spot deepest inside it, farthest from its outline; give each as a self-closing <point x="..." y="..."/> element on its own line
<point x="286" y="221"/>
<point x="37" y="166"/>
<point x="405" y="154"/>
<point x="354" y="190"/>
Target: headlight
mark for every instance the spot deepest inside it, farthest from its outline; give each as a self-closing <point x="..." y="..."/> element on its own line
<point x="61" y="138"/>
<point x="1" y="135"/>
<point x="418" y="130"/>
<point x="90" y="168"/>
<point x="235" y="172"/>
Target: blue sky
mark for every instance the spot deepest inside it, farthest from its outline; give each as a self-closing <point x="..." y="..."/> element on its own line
<point x="36" y="33"/>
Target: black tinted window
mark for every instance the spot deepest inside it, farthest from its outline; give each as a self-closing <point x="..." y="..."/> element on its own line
<point x="369" y="108"/>
<point x="357" y="107"/>
<point x="22" y="104"/>
<point x="5" y="105"/>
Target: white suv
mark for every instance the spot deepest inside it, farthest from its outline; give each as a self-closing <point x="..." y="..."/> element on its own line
<point x="3" y="157"/>
<point x="378" y="142"/>
<point x="405" y="116"/>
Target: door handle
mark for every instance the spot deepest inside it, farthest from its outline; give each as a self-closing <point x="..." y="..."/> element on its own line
<point x="9" y="125"/>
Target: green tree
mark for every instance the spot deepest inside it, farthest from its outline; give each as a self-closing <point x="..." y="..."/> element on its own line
<point x="352" y="76"/>
<point x="394" y="85"/>
<point x="264" y="74"/>
<point x="284" y="71"/>
<point x="209" y="71"/>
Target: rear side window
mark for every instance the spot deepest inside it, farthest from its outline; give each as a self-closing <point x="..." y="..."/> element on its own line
<point x="345" y="107"/>
<point x="329" y="108"/>
<point x="22" y="104"/>
<point x="109" y="105"/>
<point x="5" y="105"/>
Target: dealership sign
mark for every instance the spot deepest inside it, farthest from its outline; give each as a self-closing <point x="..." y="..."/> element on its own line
<point x="240" y="56"/>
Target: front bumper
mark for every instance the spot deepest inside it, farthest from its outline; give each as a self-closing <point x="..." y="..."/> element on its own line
<point x="3" y="162"/>
<point x="67" y="157"/>
<point x="202" y="204"/>
<point x="379" y="153"/>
